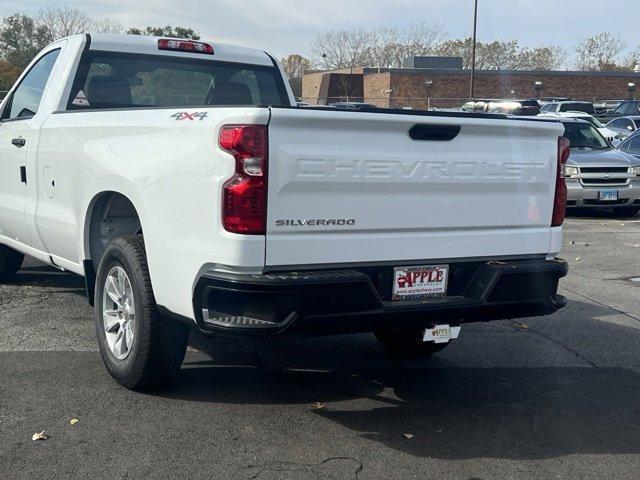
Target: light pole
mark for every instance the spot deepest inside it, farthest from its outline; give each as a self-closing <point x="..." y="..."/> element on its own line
<point x="429" y="85"/>
<point x="473" y="51"/>
<point x="538" y="87"/>
<point x="632" y="91"/>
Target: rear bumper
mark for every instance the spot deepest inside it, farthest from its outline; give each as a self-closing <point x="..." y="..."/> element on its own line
<point x="358" y="299"/>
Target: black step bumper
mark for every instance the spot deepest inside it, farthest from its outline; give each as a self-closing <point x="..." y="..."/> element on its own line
<point x="359" y="299"/>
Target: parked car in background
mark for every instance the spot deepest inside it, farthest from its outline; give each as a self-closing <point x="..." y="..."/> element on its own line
<point x="607" y="133"/>
<point x="606" y="106"/>
<point x="528" y="107"/>
<point x="625" y="109"/>
<point x="570" y="106"/>
<point x="545" y="100"/>
<point x="624" y="126"/>
<point x="598" y="175"/>
<point x="352" y="105"/>
<point x="631" y="145"/>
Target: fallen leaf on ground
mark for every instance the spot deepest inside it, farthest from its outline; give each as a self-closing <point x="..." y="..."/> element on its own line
<point x="572" y="242"/>
<point x="73" y="421"/>
<point x="39" y="436"/>
<point x="408" y="436"/>
<point x="319" y="406"/>
<point x="524" y="326"/>
<point x="578" y="259"/>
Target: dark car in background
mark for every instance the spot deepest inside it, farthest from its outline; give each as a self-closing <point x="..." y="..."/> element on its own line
<point x="625" y="109"/>
<point x="528" y="107"/>
<point x="569" y="106"/>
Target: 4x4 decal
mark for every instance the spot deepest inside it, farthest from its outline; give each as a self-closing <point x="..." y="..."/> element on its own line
<point x="189" y="115"/>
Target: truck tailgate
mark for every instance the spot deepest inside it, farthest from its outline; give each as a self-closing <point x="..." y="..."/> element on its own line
<point x="352" y="187"/>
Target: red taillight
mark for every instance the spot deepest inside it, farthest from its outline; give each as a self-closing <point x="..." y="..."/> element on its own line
<point x="560" y="199"/>
<point x="184" y="46"/>
<point x="244" y="198"/>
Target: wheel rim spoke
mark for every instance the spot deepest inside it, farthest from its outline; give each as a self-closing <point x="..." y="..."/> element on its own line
<point x="112" y="290"/>
<point x="118" y="317"/>
<point x="111" y="322"/>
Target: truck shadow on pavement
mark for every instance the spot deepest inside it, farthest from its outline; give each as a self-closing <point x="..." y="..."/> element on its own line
<point x="452" y="411"/>
<point x="43" y="276"/>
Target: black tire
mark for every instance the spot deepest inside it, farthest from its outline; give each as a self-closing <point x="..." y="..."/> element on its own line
<point x="407" y="343"/>
<point x="159" y="344"/>
<point x="10" y="263"/>
<point x="626" y="211"/>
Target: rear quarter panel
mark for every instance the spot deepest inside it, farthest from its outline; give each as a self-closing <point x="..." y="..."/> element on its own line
<point x="171" y="170"/>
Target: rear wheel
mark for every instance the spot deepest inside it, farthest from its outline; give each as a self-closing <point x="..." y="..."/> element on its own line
<point x="626" y="211"/>
<point x="407" y="343"/>
<point x="139" y="347"/>
<point x="10" y="263"/>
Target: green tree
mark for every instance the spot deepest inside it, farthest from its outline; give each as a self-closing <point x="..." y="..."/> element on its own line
<point x="21" y="38"/>
<point x="168" y="31"/>
<point x="8" y="75"/>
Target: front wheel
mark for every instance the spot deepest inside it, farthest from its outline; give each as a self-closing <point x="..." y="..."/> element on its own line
<point x="407" y="343"/>
<point x="10" y="263"/>
<point x="139" y="347"/>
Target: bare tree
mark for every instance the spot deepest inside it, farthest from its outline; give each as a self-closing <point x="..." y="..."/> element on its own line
<point x="632" y="59"/>
<point x="343" y="48"/>
<point x="503" y="55"/>
<point x="62" y="21"/>
<point x="600" y="52"/>
<point x="384" y="47"/>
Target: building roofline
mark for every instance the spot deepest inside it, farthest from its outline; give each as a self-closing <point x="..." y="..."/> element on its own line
<point x="453" y="71"/>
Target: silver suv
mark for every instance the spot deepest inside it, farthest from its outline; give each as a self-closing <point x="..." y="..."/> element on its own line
<point x="599" y="176"/>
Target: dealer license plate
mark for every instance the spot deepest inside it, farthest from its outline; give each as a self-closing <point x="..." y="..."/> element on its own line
<point x="608" y="195"/>
<point x="415" y="283"/>
<point x="441" y="334"/>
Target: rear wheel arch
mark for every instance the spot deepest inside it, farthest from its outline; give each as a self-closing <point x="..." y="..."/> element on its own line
<point x="110" y="215"/>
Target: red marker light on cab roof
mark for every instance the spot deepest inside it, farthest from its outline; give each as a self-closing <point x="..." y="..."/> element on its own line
<point x="184" y="46"/>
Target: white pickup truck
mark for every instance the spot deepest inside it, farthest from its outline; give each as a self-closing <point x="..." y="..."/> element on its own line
<point x="181" y="180"/>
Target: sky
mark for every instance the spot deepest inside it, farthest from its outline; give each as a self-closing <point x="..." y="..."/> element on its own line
<point x="288" y="26"/>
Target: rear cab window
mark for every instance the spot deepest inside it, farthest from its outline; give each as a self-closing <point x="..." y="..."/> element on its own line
<point x="107" y="80"/>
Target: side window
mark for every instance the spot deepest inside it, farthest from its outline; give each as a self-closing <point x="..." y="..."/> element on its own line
<point x="26" y="98"/>
<point x="617" y="123"/>
<point x="620" y="109"/>
<point x="549" y="107"/>
<point x="633" y="146"/>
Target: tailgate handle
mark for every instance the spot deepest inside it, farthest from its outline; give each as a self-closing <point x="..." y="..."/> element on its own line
<point x="438" y="133"/>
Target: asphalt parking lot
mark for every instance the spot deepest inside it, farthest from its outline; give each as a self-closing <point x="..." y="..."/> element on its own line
<point x="542" y="398"/>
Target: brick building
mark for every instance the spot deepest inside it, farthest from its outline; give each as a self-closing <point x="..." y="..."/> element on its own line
<point x="421" y="87"/>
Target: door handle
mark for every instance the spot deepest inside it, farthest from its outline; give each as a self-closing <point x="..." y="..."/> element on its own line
<point x="19" y="142"/>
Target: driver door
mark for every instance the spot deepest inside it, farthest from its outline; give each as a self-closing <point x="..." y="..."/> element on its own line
<point x="18" y="136"/>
